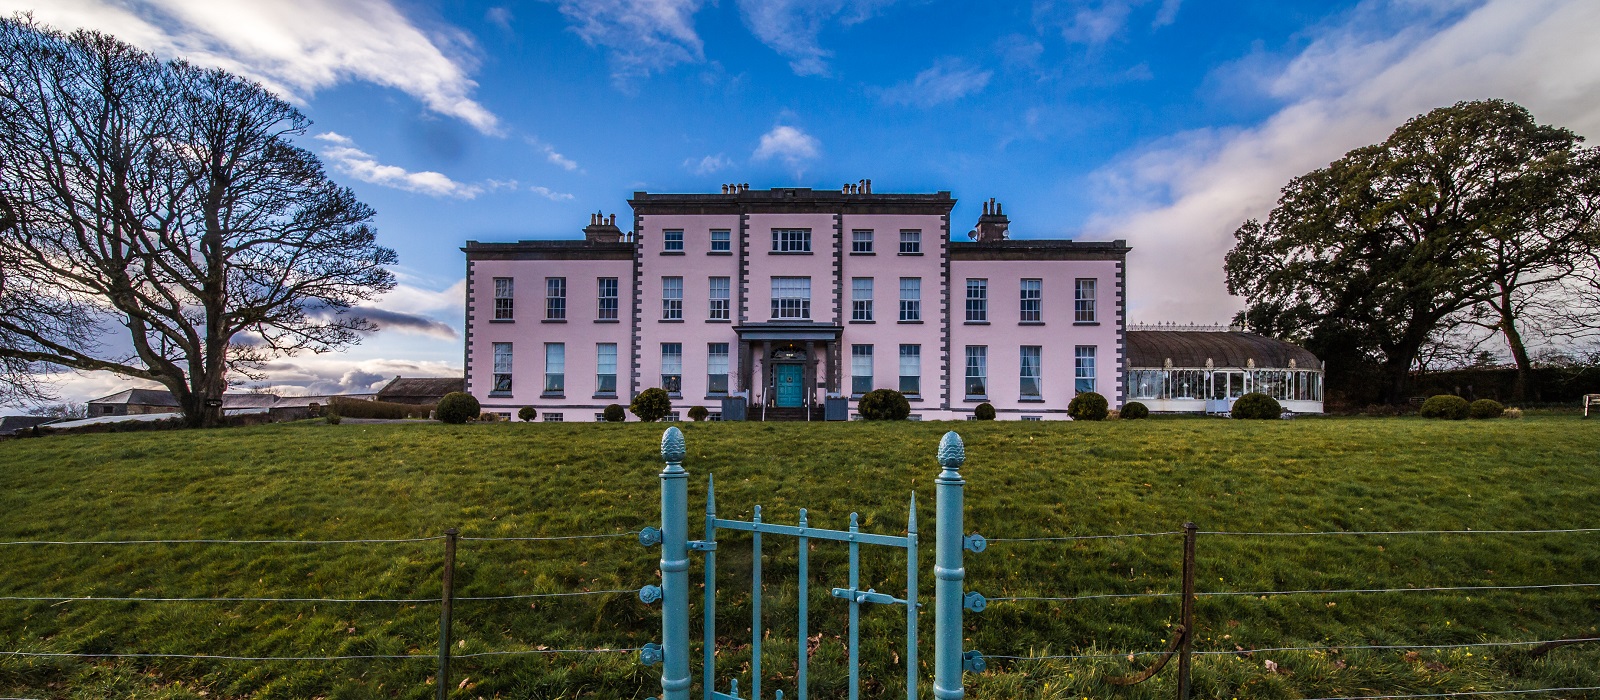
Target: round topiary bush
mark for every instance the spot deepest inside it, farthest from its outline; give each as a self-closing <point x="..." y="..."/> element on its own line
<point x="526" y="414"/>
<point x="458" y="407"/>
<point x="1485" y="408"/>
<point x="651" y="405"/>
<point x="884" y="404"/>
<point x="1133" y="410"/>
<point x="614" y="414"/>
<point x="1257" y="406"/>
<point x="1445" y="406"/>
<point x="1088" y="406"/>
<point x="984" y="411"/>
<point x="698" y="413"/>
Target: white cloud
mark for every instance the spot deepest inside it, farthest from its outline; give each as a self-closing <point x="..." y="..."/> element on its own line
<point x="551" y="155"/>
<point x="294" y="47"/>
<point x="1178" y="201"/>
<point x="550" y="194"/>
<point x="1095" y="22"/>
<point x="500" y="16"/>
<point x="792" y="145"/>
<point x="792" y="27"/>
<point x="707" y="165"/>
<point x="947" y="81"/>
<point x="642" y="36"/>
<point x="350" y="160"/>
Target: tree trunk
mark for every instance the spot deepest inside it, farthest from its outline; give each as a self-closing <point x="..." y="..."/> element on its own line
<point x="1519" y="350"/>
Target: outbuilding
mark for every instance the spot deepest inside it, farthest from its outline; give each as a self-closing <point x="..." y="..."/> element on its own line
<point x="1203" y="369"/>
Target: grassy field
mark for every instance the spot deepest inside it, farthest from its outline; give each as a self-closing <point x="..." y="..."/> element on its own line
<point x="317" y="481"/>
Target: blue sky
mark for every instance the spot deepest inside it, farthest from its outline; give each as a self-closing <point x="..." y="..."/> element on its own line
<point x="1163" y="122"/>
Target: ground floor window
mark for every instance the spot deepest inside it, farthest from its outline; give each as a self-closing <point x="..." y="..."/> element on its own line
<point x="911" y="369"/>
<point x="1198" y="384"/>
<point x="1083" y="368"/>
<point x="672" y="367"/>
<point x="1029" y="373"/>
<point x="977" y="371"/>
<point x="555" y="417"/>
<point x="1033" y="417"/>
<point x="860" y="369"/>
<point x="717" y="368"/>
<point x="502" y="368"/>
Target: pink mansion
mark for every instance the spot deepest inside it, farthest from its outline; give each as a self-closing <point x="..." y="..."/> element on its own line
<point x="788" y="304"/>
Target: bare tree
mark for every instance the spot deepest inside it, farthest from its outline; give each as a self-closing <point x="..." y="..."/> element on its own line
<point x="170" y="200"/>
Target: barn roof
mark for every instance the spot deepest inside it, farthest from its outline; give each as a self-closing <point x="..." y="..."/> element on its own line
<point x="140" y="397"/>
<point x="422" y="386"/>
<point x="12" y="424"/>
<point x="1222" y="348"/>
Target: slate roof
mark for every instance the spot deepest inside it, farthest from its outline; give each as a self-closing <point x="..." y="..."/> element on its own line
<point x="422" y="386"/>
<point x="1224" y="349"/>
<point x="140" y="397"/>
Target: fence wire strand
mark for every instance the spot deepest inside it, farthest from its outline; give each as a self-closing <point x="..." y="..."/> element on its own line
<point x="1458" y="694"/>
<point x="1330" y="591"/>
<point x="632" y="533"/>
<point x="216" y="657"/>
<point x="1373" y="647"/>
<point x="1069" y="538"/>
<point x="1397" y="532"/>
<point x="214" y="541"/>
<point x="111" y="599"/>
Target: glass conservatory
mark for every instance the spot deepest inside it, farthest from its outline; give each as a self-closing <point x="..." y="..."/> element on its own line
<point x="1204" y="370"/>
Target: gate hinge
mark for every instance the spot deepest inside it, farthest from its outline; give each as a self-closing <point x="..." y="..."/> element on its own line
<point x="650" y="655"/>
<point x="702" y="545"/>
<point x="973" y="601"/>
<point x="868" y="596"/>
<point x="649" y="594"/>
<point x="650" y="537"/>
<point x="974" y="543"/>
<point x="973" y="661"/>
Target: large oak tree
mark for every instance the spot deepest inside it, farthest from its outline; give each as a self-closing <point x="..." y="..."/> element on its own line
<point x="1466" y="207"/>
<point x="171" y="201"/>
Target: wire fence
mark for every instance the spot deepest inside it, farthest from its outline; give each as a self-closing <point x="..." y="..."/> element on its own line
<point x="1184" y="644"/>
<point x="446" y="600"/>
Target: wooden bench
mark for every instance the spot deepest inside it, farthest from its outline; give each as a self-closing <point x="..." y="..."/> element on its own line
<point x="1590" y="400"/>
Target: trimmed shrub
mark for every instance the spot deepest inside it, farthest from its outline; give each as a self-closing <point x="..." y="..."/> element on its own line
<point x="614" y="414"/>
<point x="356" y="408"/>
<point x="883" y="404"/>
<point x="984" y="411"/>
<point x="1133" y="410"/>
<point x="527" y="414"/>
<point x="651" y="405"/>
<point x="1485" y="408"/>
<point x="1088" y="406"/>
<point x="1257" y="406"/>
<point x="333" y="418"/>
<point x="1445" y="406"/>
<point x="458" y="407"/>
<point x="698" y="413"/>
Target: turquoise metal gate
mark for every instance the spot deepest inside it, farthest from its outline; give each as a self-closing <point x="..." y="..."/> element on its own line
<point x="674" y="652"/>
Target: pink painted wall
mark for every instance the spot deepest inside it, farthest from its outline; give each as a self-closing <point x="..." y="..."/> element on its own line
<point x="886" y="333"/>
<point x="697" y="265"/>
<point x="1058" y="335"/>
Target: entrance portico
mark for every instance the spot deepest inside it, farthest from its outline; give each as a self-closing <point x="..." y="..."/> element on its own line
<point x="782" y="365"/>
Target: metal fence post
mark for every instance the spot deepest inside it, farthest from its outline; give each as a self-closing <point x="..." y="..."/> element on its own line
<point x="674" y="568"/>
<point x="1187" y="611"/>
<point x="441" y="681"/>
<point x="947" y="571"/>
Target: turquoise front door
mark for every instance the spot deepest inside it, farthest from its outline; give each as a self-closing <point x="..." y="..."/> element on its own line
<point x="789" y="379"/>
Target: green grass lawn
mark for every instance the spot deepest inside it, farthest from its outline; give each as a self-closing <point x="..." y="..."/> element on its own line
<point x="317" y="481"/>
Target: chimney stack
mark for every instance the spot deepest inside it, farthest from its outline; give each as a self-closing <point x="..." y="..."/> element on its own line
<point x="993" y="225"/>
<point x="602" y="229"/>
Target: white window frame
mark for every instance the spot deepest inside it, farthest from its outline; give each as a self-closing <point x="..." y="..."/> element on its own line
<point x="672" y="368"/>
<point x="503" y="363"/>
<point x="911" y="369"/>
<point x="1030" y="367"/>
<point x="978" y="299"/>
<point x="861" y="298"/>
<point x="504" y="290"/>
<point x="910" y="241"/>
<point x="860" y="369"/>
<point x="606" y="305"/>
<point x="672" y="298"/>
<point x="977" y="375"/>
<point x="601" y="365"/>
<point x="910" y="298"/>
<point x="719" y="293"/>
<point x="555" y="368"/>
<point x="861" y="241"/>
<point x="791" y="298"/>
<point x="555" y="298"/>
<point x="1083" y="368"/>
<point x="672" y="241"/>
<point x="1031" y="308"/>
<point x="1084" y="291"/>
<point x="716" y="366"/>
<point x="791" y="240"/>
<point x="721" y="240"/>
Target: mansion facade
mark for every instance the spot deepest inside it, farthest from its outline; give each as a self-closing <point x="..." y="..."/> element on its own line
<point x="790" y="303"/>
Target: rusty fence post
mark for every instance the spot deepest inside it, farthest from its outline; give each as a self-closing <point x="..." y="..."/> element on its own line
<point x="1187" y="613"/>
<point x="442" y="680"/>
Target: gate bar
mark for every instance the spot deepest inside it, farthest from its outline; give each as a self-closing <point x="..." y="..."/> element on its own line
<point x="804" y="654"/>
<point x="818" y="533"/>
<point x="755" y="609"/>
<point x="708" y="671"/>
<point x="911" y="600"/>
<point x="855" y="612"/>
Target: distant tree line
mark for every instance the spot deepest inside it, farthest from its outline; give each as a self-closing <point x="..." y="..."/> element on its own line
<point x="1470" y="223"/>
<point x="158" y="221"/>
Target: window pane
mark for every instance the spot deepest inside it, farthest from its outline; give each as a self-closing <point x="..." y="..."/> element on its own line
<point x="910" y="241"/>
<point x="605" y="368"/>
<point x="791" y="240"/>
<point x="502" y="299"/>
<point x="673" y="241"/>
<point x="502" y="367"/>
<point x="910" y="298"/>
<point x="672" y="298"/>
<point x="1083" y="296"/>
<point x="1032" y="299"/>
<point x="861" y="241"/>
<point x="791" y="297"/>
<point x="555" y="367"/>
<point x="608" y="299"/>
<point x="860" y="369"/>
<point x="1030" y="372"/>
<point x="1083" y="368"/>
<point x="977" y="300"/>
<point x="977" y="370"/>
<point x="719" y="299"/>
<point x="721" y="241"/>
<point x="861" y="299"/>
<point x="910" y="369"/>
<point x="672" y="367"/>
<point x="717" y="368"/>
<point x="555" y="298"/>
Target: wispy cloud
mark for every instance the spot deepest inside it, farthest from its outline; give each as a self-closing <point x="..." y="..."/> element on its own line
<point x="550" y="194"/>
<point x="793" y="146"/>
<point x="1095" y="22"/>
<point x="707" y="165"/>
<point x="947" y="81"/>
<point x="500" y="16"/>
<point x="294" y="47"/>
<point x="793" y="27"/>
<point x="346" y="158"/>
<point x="641" y="36"/>
<point x="1179" y="200"/>
<point x="551" y="155"/>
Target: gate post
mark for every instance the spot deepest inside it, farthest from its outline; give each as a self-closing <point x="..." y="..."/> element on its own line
<point x="947" y="570"/>
<point x="674" y="568"/>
